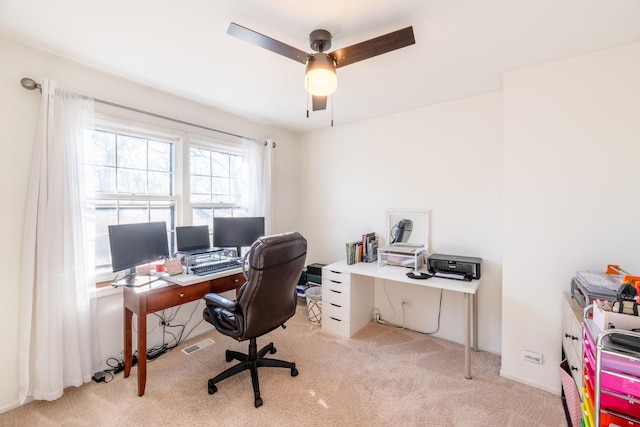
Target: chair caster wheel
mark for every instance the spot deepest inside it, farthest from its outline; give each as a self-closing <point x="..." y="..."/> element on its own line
<point x="272" y="350"/>
<point x="258" y="402"/>
<point x="228" y="356"/>
<point x="211" y="387"/>
<point x="294" y="372"/>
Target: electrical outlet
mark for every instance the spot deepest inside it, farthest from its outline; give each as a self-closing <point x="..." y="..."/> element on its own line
<point x="406" y="302"/>
<point x="532" y="356"/>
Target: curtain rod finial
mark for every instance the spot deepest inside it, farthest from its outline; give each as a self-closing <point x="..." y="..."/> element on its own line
<point x="29" y="84"/>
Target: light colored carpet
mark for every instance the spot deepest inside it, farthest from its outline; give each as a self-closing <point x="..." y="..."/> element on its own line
<point x="380" y="377"/>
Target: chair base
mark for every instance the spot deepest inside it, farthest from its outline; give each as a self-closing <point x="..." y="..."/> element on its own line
<point x="252" y="361"/>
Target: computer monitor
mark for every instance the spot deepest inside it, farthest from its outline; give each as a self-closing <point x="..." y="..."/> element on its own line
<point x="237" y="232"/>
<point x="136" y="244"/>
<point x="189" y="238"/>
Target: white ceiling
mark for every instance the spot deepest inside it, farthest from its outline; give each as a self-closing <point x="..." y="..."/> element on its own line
<point x="462" y="47"/>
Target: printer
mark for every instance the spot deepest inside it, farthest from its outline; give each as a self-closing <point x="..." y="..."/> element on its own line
<point x="454" y="266"/>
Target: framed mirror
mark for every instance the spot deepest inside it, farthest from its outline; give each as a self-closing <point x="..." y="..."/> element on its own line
<point x="410" y="228"/>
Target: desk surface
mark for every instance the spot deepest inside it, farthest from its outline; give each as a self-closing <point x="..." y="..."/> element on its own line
<point x="399" y="274"/>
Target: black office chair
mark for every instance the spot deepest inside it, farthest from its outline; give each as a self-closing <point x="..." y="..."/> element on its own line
<point x="266" y="301"/>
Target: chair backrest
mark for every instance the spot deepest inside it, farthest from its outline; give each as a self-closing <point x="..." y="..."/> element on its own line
<point x="269" y="297"/>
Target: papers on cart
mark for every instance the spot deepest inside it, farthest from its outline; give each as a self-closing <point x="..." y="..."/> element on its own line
<point x="599" y="283"/>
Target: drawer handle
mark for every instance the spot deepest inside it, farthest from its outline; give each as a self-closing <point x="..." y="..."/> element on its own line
<point x="337" y="320"/>
<point x="573" y="368"/>
<point x="335" y="281"/>
<point x="235" y="281"/>
<point x="573" y="337"/>
<point x="181" y="295"/>
<point x="335" y="305"/>
<point x="334" y="291"/>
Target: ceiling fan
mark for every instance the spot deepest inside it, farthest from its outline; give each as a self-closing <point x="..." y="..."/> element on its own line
<point x="320" y="74"/>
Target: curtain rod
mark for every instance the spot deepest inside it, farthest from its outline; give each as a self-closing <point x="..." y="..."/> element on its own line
<point x="30" y="84"/>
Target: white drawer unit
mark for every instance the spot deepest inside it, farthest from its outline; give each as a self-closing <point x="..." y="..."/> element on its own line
<point x="346" y="307"/>
<point x="335" y="301"/>
<point x="572" y="337"/>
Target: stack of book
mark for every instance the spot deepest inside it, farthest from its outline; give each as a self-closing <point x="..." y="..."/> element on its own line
<point x="354" y="252"/>
<point x="363" y="250"/>
<point x="369" y="247"/>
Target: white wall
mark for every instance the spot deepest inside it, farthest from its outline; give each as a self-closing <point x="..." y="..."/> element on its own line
<point x="571" y="193"/>
<point x="19" y="108"/>
<point x="446" y="158"/>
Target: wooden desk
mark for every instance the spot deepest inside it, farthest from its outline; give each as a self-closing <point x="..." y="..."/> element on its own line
<point x="160" y="295"/>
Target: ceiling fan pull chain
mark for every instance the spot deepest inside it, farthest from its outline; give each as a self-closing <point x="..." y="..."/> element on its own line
<point x="331" y="111"/>
<point x="307" y="98"/>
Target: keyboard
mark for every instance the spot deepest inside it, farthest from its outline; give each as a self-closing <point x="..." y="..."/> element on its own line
<point x="204" y="269"/>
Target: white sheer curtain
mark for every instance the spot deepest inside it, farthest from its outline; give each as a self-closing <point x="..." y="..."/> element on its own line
<point x="260" y="165"/>
<point x="57" y="293"/>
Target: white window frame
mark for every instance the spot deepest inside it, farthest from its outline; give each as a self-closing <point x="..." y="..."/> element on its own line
<point x="182" y="138"/>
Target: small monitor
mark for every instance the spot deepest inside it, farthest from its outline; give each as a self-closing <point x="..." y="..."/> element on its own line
<point x="189" y="238"/>
<point x="136" y="244"/>
<point x="237" y="232"/>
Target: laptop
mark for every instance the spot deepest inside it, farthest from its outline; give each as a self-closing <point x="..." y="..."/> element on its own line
<point x="194" y="240"/>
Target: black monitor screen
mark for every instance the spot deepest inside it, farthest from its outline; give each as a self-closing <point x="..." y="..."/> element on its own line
<point x="136" y="244"/>
<point x="237" y="232"/>
<point x="189" y="238"/>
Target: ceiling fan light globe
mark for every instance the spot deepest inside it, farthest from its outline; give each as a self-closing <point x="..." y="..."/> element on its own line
<point x="321" y="82"/>
<point x="320" y="76"/>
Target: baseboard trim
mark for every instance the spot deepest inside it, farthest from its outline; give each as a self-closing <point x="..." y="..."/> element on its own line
<point x="555" y="390"/>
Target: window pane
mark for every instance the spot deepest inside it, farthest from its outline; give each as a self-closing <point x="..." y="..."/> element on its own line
<point x="199" y="161"/>
<point x="133" y="212"/>
<point x="202" y="216"/>
<point x="160" y="183"/>
<point x="220" y="163"/>
<point x="220" y="189"/>
<point x="236" y="166"/>
<point x="103" y="151"/>
<point x="132" y="152"/>
<point x="159" y="156"/>
<point x="132" y="181"/>
<point x="200" y="184"/>
<point x="101" y="179"/>
<point x="105" y="215"/>
<point x="224" y="212"/>
<point x="236" y="190"/>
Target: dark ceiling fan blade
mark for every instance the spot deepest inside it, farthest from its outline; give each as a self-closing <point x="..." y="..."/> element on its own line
<point x="267" y="42"/>
<point x="319" y="103"/>
<point x="374" y="47"/>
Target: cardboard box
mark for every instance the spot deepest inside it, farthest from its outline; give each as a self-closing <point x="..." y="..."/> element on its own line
<point x="603" y="319"/>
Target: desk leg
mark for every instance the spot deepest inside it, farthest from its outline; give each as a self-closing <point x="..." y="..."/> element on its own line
<point x="475" y="322"/>
<point x="142" y="352"/>
<point x="467" y="339"/>
<point x="128" y="350"/>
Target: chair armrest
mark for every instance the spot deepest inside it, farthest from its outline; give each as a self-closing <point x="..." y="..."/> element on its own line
<point x="220" y="301"/>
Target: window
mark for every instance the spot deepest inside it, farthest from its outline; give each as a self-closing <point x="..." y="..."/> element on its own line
<point x="218" y="184"/>
<point x="137" y="175"/>
<point x="132" y="175"/>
